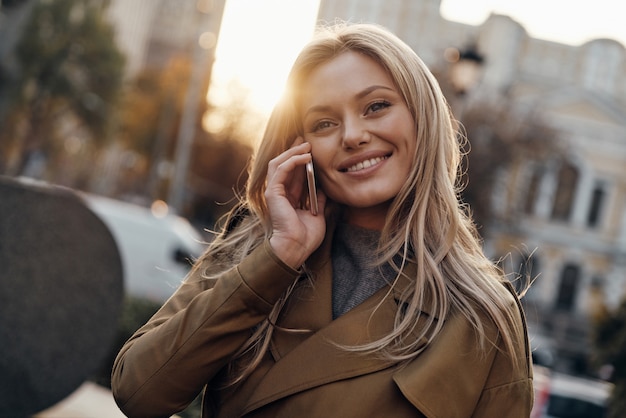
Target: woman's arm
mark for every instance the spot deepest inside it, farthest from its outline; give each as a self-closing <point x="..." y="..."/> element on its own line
<point x="165" y="364"/>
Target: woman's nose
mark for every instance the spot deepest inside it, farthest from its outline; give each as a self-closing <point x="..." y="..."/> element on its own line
<point x="355" y="133"/>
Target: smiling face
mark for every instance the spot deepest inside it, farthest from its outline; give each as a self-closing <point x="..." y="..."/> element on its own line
<point x="362" y="135"/>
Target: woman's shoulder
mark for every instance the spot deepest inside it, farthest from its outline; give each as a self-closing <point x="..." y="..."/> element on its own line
<point x="478" y="373"/>
<point x="513" y="327"/>
<point x="510" y="299"/>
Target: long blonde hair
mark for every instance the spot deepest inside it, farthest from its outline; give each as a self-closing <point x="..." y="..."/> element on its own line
<point x="426" y="224"/>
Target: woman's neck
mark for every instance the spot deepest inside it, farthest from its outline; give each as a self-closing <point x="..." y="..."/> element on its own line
<point x="369" y="218"/>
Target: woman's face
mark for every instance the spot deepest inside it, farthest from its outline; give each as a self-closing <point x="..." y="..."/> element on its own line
<point x="362" y="135"/>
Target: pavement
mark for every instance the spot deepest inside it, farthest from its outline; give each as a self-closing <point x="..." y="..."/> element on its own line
<point x="88" y="401"/>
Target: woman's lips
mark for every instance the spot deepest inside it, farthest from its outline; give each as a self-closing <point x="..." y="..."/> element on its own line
<point x="365" y="164"/>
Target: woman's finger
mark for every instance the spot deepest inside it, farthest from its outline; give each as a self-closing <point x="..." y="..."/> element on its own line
<point x="284" y="177"/>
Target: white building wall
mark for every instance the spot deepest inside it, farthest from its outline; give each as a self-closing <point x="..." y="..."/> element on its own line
<point x="140" y="23"/>
<point x="132" y="20"/>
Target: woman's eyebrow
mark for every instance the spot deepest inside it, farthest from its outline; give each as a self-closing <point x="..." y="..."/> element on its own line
<point x="371" y="89"/>
<point x="316" y="108"/>
<point x="363" y="93"/>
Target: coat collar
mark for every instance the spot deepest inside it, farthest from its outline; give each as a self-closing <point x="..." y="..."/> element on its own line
<point x="306" y="345"/>
<point x="310" y="307"/>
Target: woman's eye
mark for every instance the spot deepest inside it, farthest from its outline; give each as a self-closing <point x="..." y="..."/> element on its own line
<point x="378" y="106"/>
<point x="323" y="124"/>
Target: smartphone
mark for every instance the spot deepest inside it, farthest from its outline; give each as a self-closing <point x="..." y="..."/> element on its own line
<point x="310" y="176"/>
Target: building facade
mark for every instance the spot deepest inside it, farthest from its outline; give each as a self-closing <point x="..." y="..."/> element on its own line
<point x="150" y="32"/>
<point x="569" y="212"/>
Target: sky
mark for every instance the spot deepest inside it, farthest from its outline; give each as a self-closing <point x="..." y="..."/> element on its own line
<point x="566" y="21"/>
<point x="260" y="55"/>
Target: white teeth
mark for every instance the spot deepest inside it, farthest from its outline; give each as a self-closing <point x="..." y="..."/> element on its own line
<point x="365" y="164"/>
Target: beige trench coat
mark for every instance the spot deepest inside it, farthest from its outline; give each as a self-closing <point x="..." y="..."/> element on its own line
<point x="185" y="345"/>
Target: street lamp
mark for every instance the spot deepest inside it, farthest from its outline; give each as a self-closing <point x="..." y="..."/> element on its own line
<point x="465" y="69"/>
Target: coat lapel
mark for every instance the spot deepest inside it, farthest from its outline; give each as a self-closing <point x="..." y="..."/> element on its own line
<point x="319" y="360"/>
<point x="306" y="346"/>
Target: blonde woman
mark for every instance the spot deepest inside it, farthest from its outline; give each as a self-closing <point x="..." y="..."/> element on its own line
<point x="380" y="305"/>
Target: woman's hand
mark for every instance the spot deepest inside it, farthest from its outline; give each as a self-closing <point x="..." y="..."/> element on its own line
<point x="296" y="232"/>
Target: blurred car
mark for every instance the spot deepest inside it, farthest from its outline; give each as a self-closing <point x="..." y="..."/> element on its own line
<point x="157" y="250"/>
<point x="560" y="395"/>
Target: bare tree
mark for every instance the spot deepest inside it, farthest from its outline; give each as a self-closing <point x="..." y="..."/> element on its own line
<point x="69" y="75"/>
<point x="499" y="136"/>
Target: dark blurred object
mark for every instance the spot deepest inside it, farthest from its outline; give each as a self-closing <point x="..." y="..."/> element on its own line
<point x="609" y="340"/>
<point x="11" y="3"/>
<point x="61" y="291"/>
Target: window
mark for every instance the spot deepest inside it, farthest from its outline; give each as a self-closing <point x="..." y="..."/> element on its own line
<point x="533" y="192"/>
<point x="564" y="195"/>
<point x="597" y="199"/>
<point x="568" y="287"/>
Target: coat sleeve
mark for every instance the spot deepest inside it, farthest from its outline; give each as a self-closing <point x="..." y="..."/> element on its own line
<point x="165" y="364"/>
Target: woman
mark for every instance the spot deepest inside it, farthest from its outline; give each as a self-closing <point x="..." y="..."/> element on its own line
<point x="382" y="305"/>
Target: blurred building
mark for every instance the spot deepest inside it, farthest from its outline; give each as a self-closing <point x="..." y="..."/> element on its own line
<point x="151" y="32"/>
<point x="572" y="209"/>
<point x="13" y="15"/>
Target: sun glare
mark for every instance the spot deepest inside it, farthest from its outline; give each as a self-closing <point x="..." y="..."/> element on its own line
<point x="257" y="45"/>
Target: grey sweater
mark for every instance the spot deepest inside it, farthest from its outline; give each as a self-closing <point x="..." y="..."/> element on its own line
<point x="355" y="278"/>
